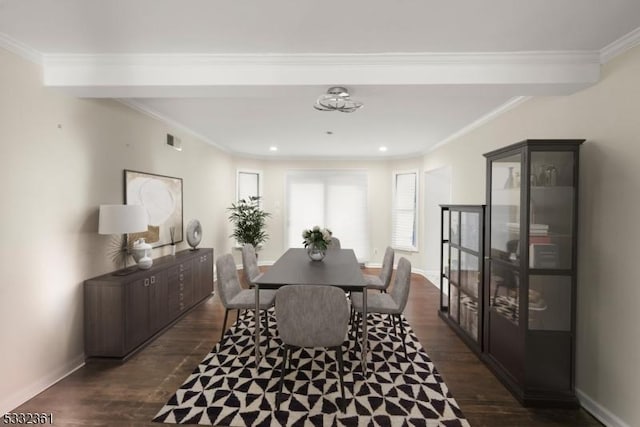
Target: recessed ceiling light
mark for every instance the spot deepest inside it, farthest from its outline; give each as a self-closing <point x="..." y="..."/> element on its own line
<point x="383" y="149"/>
<point x="273" y="148"/>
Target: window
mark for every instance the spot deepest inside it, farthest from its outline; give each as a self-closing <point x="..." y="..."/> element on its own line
<point x="333" y="199"/>
<point x="248" y="184"/>
<point x="404" y="216"/>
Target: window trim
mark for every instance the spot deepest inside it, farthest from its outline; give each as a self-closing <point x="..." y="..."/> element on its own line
<point x="416" y="221"/>
<point x="249" y="171"/>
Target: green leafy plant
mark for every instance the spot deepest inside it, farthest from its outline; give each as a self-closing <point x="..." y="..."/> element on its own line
<point x="249" y="220"/>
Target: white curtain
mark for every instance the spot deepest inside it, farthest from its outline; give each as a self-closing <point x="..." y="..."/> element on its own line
<point x="333" y="199"/>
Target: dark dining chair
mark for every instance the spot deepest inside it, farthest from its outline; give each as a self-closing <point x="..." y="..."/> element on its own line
<point x="311" y="316"/>
<point x="233" y="297"/>
<point x="383" y="280"/>
<point x="392" y="303"/>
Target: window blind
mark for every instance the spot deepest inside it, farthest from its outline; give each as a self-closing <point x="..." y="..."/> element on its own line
<point x="404" y="211"/>
<point x="333" y="199"/>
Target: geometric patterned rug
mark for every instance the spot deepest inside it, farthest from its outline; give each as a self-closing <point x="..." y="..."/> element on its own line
<point x="226" y="389"/>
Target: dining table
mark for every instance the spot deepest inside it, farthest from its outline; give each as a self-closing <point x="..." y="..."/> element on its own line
<point x="339" y="268"/>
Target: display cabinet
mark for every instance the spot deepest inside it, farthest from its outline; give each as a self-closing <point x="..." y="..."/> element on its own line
<point x="530" y="269"/>
<point x="461" y="275"/>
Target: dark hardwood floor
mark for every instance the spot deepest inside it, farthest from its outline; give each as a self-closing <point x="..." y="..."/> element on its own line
<point x="131" y="393"/>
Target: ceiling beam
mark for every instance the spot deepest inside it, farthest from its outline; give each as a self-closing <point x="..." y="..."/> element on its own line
<point x="529" y="73"/>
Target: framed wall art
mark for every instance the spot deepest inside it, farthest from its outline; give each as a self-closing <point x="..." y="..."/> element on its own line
<point x="162" y="197"/>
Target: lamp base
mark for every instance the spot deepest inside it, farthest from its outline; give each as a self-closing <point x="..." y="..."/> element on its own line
<point x="125" y="271"/>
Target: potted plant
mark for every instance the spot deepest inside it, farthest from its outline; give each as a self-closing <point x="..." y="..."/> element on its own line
<point x="249" y="220"/>
<point x="316" y="240"/>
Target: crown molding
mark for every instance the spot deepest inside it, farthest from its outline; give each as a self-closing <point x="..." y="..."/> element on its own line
<point x="620" y="46"/>
<point x="20" y="49"/>
<point x="170" y="122"/>
<point x="510" y="104"/>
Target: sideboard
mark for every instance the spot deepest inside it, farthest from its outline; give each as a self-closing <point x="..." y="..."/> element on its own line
<point x="123" y="313"/>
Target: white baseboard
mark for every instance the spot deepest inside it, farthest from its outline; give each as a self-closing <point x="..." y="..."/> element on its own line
<point x="8" y="403"/>
<point x="603" y="415"/>
<point x="373" y="265"/>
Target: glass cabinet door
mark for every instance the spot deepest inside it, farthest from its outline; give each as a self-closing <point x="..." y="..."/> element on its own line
<point x="505" y="209"/>
<point x="470" y="230"/>
<point x="551" y="212"/>
<point x="505" y="235"/>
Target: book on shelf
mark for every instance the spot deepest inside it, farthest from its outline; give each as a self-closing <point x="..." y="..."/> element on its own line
<point x="543" y="255"/>
<point x="534" y="229"/>
<point x="536" y="239"/>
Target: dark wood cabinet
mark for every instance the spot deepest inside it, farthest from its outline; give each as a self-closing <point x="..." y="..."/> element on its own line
<point x="122" y="313"/>
<point x="530" y="269"/>
<point x="203" y="265"/>
<point x="461" y="274"/>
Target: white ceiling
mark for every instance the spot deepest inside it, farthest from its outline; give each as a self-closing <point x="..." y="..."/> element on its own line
<point x="422" y="68"/>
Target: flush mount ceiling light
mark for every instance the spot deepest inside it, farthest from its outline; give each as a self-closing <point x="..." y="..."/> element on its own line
<point x="337" y="99"/>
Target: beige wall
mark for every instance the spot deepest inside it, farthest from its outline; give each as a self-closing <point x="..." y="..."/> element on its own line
<point x="607" y="115"/>
<point x="61" y="158"/>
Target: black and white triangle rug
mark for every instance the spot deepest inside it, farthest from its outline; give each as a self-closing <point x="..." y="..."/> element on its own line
<point x="226" y="389"/>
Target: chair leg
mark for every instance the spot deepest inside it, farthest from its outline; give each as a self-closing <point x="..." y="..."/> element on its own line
<point x="403" y="335"/>
<point x="356" y="330"/>
<point x="266" y="327"/>
<point x="224" y="323"/>
<point x="285" y="349"/>
<point x="341" y="373"/>
<point x="352" y="322"/>
<point x="393" y="320"/>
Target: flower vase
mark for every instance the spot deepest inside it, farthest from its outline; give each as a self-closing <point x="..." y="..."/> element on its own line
<point x="172" y="250"/>
<point x="315" y="253"/>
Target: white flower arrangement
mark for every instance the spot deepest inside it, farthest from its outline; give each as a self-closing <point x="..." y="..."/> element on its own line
<point x="319" y="237"/>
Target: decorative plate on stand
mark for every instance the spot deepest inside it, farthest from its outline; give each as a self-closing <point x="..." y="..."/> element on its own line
<point x="194" y="233"/>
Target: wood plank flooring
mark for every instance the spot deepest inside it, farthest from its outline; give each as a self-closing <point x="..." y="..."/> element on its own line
<point x="114" y="394"/>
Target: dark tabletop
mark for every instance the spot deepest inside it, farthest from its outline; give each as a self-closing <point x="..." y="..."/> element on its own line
<point x="338" y="268"/>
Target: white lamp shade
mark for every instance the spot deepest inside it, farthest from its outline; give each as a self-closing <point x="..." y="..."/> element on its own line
<point x="122" y="219"/>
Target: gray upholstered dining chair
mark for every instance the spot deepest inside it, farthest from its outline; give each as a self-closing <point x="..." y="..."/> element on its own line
<point x="250" y="263"/>
<point x="311" y="316"/>
<point x="392" y="303"/>
<point x="382" y="281"/>
<point x="335" y="243"/>
<point x="233" y="297"/>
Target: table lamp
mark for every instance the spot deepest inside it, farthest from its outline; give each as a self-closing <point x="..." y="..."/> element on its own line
<point x="123" y="219"/>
